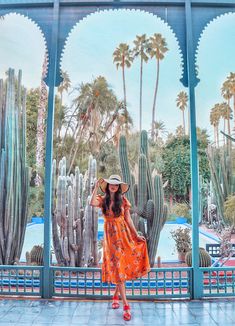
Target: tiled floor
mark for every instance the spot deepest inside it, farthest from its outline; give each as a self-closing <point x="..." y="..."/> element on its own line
<point x="97" y="313"/>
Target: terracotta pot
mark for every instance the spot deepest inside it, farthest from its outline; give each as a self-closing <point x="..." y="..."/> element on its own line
<point x="181" y="256"/>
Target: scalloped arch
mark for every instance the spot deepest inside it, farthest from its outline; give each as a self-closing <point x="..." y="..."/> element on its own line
<point x="85" y="17"/>
<point x="206" y="26"/>
<point x="39" y="28"/>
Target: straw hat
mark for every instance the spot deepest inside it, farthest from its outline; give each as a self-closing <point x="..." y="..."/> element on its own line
<point x="113" y="180"/>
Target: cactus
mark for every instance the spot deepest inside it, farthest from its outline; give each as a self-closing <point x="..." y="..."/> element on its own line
<point x="14" y="172"/>
<point x="35" y="256"/>
<point x="222" y="177"/>
<point x="146" y="197"/>
<point x="74" y="221"/>
<point x="204" y="258"/>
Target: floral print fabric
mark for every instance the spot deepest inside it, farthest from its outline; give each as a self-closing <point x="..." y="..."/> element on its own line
<point x="124" y="258"/>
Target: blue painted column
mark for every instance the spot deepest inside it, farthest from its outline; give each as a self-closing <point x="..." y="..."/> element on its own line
<point x="197" y="276"/>
<point x="47" y="282"/>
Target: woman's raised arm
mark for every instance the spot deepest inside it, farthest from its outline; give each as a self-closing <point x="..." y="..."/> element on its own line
<point x="94" y="201"/>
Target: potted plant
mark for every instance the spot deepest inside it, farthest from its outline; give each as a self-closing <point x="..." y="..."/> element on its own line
<point x="181" y="210"/>
<point x="182" y="241"/>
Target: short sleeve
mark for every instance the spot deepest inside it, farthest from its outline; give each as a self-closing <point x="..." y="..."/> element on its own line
<point x="99" y="198"/>
<point x="126" y="204"/>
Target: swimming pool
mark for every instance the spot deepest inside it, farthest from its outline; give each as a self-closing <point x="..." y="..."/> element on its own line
<point x="166" y="247"/>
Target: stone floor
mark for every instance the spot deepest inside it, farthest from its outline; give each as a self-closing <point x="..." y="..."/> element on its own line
<point x="97" y="313"/>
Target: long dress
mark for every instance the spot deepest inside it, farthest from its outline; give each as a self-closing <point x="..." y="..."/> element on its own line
<point x="124" y="258"/>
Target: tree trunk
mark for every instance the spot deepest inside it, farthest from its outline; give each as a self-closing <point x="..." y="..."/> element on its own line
<point x="124" y="90"/>
<point x="224" y="132"/>
<point x="60" y="114"/>
<point x="41" y="124"/>
<point x="141" y="80"/>
<point x="217" y="135"/>
<point x="188" y="120"/>
<point x="215" y="141"/>
<point x="234" y="114"/>
<point x="154" y="100"/>
<point x="229" y="127"/>
<point x="183" y="121"/>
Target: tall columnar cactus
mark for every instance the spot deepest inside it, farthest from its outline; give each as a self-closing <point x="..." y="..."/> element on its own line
<point x="222" y="176"/>
<point x="14" y="172"/>
<point x="146" y="195"/>
<point x="74" y="222"/>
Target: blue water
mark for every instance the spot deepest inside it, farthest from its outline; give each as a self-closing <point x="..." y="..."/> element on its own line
<point x="166" y="248"/>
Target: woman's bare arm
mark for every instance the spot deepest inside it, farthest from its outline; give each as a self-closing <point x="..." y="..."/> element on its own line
<point x="93" y="201"/>
<point x="131" y="225"/>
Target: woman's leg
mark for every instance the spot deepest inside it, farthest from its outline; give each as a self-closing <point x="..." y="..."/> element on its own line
<point x="122" y="290"/>
<point x="115" y="303"/>
<point x="116" y="292"/>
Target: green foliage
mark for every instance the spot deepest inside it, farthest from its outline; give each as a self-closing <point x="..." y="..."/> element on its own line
<point x="176" y="157"/>
<point x="156" y="157"/>
<point x="59" y="117"/>
<point x="108" y="160"/>
<point x="133" y="148"/>
<point x="32" y="103"/>
<point x="36" y="201"/>
<point x="181" y="210"/>
<point x="229" y="209"/>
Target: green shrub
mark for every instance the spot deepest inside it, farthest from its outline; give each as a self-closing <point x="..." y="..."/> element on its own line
<point x="229" y="209"/>
<point x="181" y="209"/>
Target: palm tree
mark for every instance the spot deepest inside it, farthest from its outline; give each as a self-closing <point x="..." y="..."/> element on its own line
<point x="215" y="116"/>
<point x="226" y="91"/>
<point x="159" y="129"/>
<point x="98" y="110"/>
<point x="226" y="115"/>
<point x="231" y="89"/>
<point x="119" y="125"/>
<point x="157" y="49"/>
<point x="182" y="103"/>
<point x="140" y="50"/>
<point x="122" y="58"/>
<point x="41" y="124"/>
<point x="63" y="87"/>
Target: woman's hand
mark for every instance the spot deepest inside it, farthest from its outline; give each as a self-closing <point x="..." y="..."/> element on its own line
<point x="97" y="183"/>
<point x="140" y="238"/>
<point x="93" y="200"/>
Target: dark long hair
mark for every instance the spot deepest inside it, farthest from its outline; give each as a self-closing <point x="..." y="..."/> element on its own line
<point x="116" y="207"/>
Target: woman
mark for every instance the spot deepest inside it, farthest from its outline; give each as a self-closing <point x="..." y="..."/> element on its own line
<point x="125" y="255"/>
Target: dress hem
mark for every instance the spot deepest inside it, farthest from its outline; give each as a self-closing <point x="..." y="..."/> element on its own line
<point x="129" y="278"/>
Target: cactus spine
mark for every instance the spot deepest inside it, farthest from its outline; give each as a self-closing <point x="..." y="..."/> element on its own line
<point x="14" y="173"/>
<point x="146" y="196"/>
<point x="74" y="222"/>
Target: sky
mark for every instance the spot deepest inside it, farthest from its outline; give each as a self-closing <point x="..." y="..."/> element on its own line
<point x="88" y="54"/>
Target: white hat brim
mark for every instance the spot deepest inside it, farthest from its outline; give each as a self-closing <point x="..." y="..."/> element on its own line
<point x="104" y="182"/>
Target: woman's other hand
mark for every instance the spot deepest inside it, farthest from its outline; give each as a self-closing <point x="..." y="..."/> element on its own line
<point x="140" y="238"/>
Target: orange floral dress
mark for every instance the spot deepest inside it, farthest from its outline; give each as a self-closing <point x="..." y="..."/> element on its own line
<point x="124" y="258"/>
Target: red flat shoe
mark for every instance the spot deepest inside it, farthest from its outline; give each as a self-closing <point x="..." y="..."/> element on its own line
<point x="115" y="303"/>
<point x="126" y="313"/>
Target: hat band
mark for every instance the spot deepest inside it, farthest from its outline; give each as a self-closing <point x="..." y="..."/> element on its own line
<point x="115" y="179"/>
